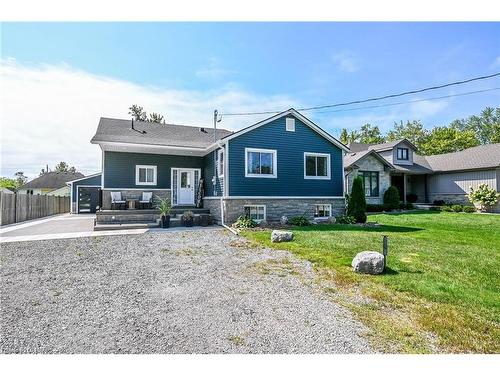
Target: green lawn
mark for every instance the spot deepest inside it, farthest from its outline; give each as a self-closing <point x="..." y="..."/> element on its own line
<point x="441" y="291"/>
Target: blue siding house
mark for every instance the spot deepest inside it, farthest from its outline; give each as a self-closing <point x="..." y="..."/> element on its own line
<point x="282" y="166"/>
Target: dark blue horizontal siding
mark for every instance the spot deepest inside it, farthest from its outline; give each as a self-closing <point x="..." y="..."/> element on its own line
<point x="90" y="181"/>
<point x="208" y="173"/>
<point x="119" y="168"/>
<point x="290" y="148"/>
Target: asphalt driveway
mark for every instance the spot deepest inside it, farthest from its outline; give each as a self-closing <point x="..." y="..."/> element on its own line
<point x="201" y="291"/>
<point x="57" y="224"/>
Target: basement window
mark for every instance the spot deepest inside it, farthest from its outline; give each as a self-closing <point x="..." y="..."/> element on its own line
<point x="322" y="210"/>
<point x="256" y="212"/>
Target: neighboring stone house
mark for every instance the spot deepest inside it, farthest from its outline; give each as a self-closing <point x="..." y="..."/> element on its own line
<point x="445" y="177"/>
<point x="50" y="183"/>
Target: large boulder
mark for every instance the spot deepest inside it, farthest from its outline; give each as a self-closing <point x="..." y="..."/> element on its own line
<point x="370" y="262"/>
<point x="281" y="236"/>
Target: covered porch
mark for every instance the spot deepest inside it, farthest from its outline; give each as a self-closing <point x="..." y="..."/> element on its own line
<point x="409" y="184"/>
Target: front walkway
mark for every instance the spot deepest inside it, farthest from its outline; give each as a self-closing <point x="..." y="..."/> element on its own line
<point x="63" y="226"/>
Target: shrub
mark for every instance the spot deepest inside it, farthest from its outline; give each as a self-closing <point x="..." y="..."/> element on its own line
<point x="446" y="209"/>
<point x="244" y="222"/>
<point x="439" y="202"/>
<point x="457" y="208"/>
<point x="412" y="198"/>
<point x="469" y="209"/>
<point x="409" y="206"/>
<point x="357" y="201"/>
<point x="435" y="208"/>
<point x="391" y="198"/>
<point x="300" y="221"/>
<point x="374" y="208"/>
<point x="484" y="196"/>
<point x="345" y="219"/>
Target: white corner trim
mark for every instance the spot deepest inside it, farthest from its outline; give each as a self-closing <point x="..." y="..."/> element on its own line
<point x="328" y="167"/>
<point x="226" y="171"/>
<point x="262" y="150"/>
<point x="220" y="171"/>
<point x="155" y="170"/>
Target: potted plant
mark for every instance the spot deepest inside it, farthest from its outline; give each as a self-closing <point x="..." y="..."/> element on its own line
<point x="163" y="204"/>
<point x="188" y="217"/>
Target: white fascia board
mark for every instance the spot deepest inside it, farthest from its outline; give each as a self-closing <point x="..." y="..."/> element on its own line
<point x="302" y="118"/>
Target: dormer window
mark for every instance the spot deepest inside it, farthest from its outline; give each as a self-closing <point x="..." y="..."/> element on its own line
<point x="402" y="154"/>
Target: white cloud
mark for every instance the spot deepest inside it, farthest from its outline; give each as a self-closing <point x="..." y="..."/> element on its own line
<point x="427" y="108"/>
<point x="49" y="113"/>
<point x="495" y="63"/>
<point x="213" y="70"/>
<point x="346" y="61"/>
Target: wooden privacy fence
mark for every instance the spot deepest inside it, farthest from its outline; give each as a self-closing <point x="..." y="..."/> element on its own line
<point x="20" y="207"/>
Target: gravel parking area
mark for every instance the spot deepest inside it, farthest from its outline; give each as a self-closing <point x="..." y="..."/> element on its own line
<point x="179" y="292"/>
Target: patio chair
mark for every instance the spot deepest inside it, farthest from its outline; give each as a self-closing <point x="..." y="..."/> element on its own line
<point x="116" y="200"/>
<point x="146" y="200"/>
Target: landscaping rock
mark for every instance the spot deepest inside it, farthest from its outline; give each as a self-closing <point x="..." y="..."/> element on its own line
<point x="370" y="262"/>
<point x="281" y="236"/>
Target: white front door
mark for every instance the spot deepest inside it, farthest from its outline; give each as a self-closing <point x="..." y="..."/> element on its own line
<point x="186" y="187"/>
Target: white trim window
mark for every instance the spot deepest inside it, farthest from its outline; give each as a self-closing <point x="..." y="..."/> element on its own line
<point x="316" y="166"/>
<point x="220" y="162"/>
<point x="145" y="174"/>
<point x="261" y="162"/>
<point x="290" y="124"/>
<point x="322" y="211"/>
<point x="255" y="212"/>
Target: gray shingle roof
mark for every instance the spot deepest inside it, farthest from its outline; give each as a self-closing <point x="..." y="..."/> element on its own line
<point x="485" y="156"/>
<point x="116" y="130"/>
<point x="358" y="146"/>
<point x="352" y="158"/>
<point x="52" y="180"/>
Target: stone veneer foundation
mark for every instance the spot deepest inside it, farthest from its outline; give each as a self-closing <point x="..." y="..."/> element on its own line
<point x="275" y="207"/>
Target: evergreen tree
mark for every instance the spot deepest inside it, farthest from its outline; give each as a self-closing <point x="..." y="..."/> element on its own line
<point x="357" y="202"/>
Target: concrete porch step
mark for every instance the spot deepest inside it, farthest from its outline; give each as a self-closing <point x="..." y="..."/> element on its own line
<point x="122" y="226"/>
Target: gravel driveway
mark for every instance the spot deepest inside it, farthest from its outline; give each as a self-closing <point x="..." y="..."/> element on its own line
<point x="180" y="292"/>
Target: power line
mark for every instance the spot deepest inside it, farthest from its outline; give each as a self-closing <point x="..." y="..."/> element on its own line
<point x="456" y="83"/>
<point x="413" y="101"/>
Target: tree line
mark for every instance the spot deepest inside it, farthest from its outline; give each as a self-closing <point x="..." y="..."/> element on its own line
<point x="458" y="135"/>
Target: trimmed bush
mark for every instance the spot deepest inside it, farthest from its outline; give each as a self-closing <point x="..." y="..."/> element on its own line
<point x="345" y="219"/>
<point x="374" y="208"/>
<point x="439" y="202"/>
<point x="391" y="198"/>
<point x="412" y="198"/>
<point x="300" y="221"/>
<point x="469" y="209"/>
<point x="446" y="209"/>
<point x="409" y="206"/>
<point x="435" y="208"/>
<point x="357" y="201"/>
<point x="457" y="208"/>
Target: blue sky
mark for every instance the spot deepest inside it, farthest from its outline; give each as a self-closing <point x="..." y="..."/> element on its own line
<point x="197" y="67"/>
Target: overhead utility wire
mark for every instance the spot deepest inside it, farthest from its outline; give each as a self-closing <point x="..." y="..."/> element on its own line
<point x="412" y="101"/>
<point x="456" y="83"/>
